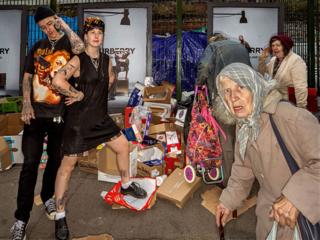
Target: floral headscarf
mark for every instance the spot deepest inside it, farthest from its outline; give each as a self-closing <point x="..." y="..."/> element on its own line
<point x="93" y="22"/>
<point x="245" y="76"/>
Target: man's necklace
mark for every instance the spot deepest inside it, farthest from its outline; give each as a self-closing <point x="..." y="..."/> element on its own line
<point x="54" y="42"/>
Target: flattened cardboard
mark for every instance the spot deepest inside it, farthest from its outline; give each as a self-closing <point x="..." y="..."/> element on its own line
<point x="176" y="189"/>
<point x="95" y="237"/>
<point x="211" y="200"/>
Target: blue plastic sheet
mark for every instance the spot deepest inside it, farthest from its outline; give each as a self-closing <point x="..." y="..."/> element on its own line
<point x="164" y="58"/>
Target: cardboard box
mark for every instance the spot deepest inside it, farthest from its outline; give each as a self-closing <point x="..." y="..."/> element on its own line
<point x="160" y="109"/>
<point x="11" y="128"/>
<point x="5" y="156"/>
<point x="148" y="171"/>
<point x="107" y="164"/>
<point x="160" y="94"/>
<point x="161" y="128"/>
<point x="89" y="161"/>
<point x="144" y="170"/>
<point x="176" y="189"/>
<point x="118" y="118"/>
<point x="155" y="119"/>
<point x="211" y="200"/>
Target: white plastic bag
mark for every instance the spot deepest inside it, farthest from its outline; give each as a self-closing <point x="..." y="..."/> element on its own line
<point x="273" y="233"/>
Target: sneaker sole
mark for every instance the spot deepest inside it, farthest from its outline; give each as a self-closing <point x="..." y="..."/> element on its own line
<point x="51" y="216"/>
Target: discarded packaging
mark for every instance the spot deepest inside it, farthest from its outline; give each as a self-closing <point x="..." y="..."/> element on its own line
<point x="211" y="200"/>
<point x="176" y="189"/>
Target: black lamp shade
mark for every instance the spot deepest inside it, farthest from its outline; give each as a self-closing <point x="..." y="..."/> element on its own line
<point x="243" y="18"/>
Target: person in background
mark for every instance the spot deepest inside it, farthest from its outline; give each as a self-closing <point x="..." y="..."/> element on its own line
<point x="220" y="52"/>
<point x="87" y="123"/>
<point x="251" y="100"/>
<point x="244" y="43"/>
<point x="288" y="68"/>
<point x="42" y="114"/>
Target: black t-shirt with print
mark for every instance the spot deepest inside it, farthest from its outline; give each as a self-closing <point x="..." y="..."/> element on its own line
<point x="43" y="61"/>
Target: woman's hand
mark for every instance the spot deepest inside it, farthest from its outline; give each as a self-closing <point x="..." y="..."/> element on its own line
<point x="284" y="212"/>
<point x="222" y="214"/>
<point x="265" y="53"/>
<point x="77" y="98"/>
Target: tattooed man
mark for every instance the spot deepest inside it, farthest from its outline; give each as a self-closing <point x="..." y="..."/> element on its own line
<point x="42" y="114"/>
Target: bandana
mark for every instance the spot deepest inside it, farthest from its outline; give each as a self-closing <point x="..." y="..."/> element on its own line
<point x="91" y="23"/>
<point x="245" y="76"/>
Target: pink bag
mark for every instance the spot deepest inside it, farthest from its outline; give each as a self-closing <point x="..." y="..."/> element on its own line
<point x="203" y="139"/>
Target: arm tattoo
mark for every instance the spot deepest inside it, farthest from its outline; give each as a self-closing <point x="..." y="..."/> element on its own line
<point x="26" y="87"/>
<point x="66" y="70"/>
<point x="61" y="202"/>
<point x="76" y="43"/>
<point x="71" y="92"/>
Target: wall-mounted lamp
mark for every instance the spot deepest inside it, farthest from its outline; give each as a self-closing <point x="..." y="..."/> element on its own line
<point x="243" y="18"/>
<point x="124" y="21"/>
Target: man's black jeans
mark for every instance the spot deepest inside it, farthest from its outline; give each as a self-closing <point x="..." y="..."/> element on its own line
<point x="32" y="147"/>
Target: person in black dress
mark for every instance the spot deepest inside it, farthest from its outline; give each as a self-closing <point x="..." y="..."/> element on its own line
<point x="87" y="123"/>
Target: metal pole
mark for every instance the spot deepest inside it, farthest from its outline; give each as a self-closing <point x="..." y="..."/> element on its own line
<point x="311" y="43"/>
<point x="53" y="5"/>
<point x="179" y="47"/>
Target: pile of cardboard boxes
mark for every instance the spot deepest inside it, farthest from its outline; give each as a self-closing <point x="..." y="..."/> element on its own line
<point x="154" y="129"/>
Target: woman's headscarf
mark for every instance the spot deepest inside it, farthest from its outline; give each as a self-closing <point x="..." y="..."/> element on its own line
<point x="93" y="22"/>
<point x="245" y="76"/>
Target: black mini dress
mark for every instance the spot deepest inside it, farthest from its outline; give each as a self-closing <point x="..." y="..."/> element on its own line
<point x="87" y="123"/>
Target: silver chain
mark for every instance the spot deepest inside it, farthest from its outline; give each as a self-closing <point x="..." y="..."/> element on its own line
<point x="54" y="42"/>
<point x="95" y="63"/>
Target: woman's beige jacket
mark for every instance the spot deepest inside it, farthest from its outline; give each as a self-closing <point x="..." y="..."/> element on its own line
<point x="264" y="160"/>
<point x="291" y="73"/>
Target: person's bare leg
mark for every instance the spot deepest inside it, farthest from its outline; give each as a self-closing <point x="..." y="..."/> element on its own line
<point x="62" y="181"/>
<point x="121" y="148"/>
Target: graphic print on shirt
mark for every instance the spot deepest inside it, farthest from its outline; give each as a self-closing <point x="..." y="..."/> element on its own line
<point x="46" y="67"/>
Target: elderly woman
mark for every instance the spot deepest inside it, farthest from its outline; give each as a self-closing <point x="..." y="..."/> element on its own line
<point x="247" y="99"/>
<point x="286" y="67"/>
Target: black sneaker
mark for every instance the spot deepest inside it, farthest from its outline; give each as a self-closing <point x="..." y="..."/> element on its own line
<point x="18" y="230"/>
<point x="61" y="231"/>
<point x="134" y="190"/>
<point x="50" y="208"/>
